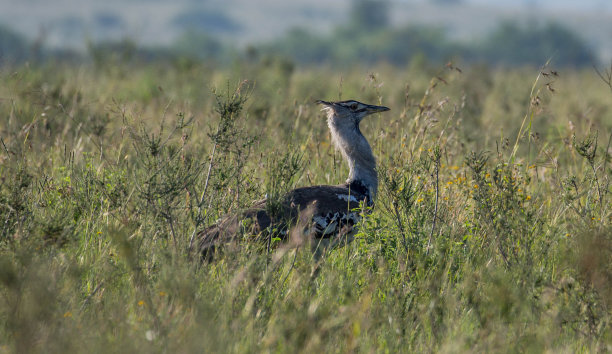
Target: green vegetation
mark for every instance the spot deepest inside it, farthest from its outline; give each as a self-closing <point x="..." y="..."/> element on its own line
<point x="356" y="43"/>
<point x="12" y="45"/>
<point x="368" y="38"/>
<point x="513" y="45"/>
<point x="491" y="232"/>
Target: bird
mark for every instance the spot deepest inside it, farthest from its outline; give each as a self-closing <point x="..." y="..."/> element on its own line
<point x="328" y="214"/>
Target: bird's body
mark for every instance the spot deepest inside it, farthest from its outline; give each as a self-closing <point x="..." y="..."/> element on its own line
<point x="326" y="213"/>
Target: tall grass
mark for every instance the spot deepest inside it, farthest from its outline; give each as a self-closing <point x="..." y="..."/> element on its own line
<point x="486" y="236"/>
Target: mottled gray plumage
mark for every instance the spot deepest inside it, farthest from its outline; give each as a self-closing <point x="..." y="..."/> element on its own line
<point x="327" y="213"/>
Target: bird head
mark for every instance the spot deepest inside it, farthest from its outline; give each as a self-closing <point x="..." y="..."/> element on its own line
<point x="351" y="112"/>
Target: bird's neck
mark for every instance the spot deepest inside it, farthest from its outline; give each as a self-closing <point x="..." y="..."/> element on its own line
<point x="358" y="153"/>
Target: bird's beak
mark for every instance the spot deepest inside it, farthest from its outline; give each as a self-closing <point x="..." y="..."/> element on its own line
<point x="375" y="109"/>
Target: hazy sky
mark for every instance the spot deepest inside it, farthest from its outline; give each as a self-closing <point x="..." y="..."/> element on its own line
<point x="587" y="5"/>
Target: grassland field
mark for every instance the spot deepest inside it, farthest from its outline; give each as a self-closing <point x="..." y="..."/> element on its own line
<point x="491" y="232"/>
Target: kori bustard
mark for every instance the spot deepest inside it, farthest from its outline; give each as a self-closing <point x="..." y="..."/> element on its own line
<point x="327" y="213"/>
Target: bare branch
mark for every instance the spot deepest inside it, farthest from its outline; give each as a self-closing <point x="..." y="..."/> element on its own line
<point x="606" y="76"/>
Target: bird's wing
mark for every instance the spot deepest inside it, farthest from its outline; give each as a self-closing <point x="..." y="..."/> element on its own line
<point x="324" y="199"/>
<point x="332" y="209"/>
<point x="329" y="208"/>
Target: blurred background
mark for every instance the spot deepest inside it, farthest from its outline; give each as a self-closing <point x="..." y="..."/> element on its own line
<point x="494" y="32"/>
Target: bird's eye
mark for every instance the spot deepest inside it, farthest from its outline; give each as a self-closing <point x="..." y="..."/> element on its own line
<point x="354" y="106"/>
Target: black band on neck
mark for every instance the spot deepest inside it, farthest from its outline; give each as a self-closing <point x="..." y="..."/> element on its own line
<point x="358" y="187"/>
